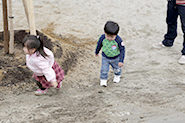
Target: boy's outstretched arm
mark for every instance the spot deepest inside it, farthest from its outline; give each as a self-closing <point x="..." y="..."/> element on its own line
<point x="122" y="54"/>
<point x="99" y="44"/>
<point x="122" y="50"/>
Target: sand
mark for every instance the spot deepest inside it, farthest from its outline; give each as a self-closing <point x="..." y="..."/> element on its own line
<point x="152" y="85"/>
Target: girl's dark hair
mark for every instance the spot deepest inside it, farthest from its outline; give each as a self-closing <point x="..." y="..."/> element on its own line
<point x="34" y="42"/>
<point x="111" y="28"/>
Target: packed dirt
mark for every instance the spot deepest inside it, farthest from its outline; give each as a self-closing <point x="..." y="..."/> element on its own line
<point x="152" y="87"/>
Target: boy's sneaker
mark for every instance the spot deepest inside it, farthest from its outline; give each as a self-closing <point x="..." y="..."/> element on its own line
<point x="103" y="82"/>
<point x="116" y="78"/>
<point x="158" y="45"/>
<point x="182" y="60"/>
<point x="40" y="92"/>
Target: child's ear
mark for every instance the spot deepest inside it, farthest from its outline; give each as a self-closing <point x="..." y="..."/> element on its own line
<point x="33" y="50"/>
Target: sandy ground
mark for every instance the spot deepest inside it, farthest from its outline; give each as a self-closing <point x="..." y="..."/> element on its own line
<point x="152" y="87"/>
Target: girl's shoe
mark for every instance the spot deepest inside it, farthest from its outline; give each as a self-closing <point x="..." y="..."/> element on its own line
<point x="182" y="60"/>
<point x="116" y="78"/>
<point x="59" y="85"/>
<point x="40" y="92"/>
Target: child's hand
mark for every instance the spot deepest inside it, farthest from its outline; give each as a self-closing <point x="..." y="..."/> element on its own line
<point x="54" y="84"/>
<point x="96" y="54"/>
<point x="120" y="64"/>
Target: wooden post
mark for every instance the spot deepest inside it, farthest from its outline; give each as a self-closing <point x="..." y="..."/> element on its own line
<point x="11" y="43"/>
<point x="26" y="9"/>
<point x="28" y="4"/>
<point x="31" y="18"/>
<point x="5" y="21"/>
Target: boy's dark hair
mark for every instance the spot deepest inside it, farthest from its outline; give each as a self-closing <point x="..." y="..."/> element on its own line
<point x="111" y="28"/>
<point x="31" y="42"/>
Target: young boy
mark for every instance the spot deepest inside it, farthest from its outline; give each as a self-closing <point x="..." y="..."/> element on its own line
<point x="175" y="8"/>
<point x="113" y="52"/>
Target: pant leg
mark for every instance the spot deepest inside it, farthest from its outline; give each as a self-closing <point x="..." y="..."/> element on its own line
<point x="183" y="49"/>
<point x="181" y="11"/>
<point x="104" y="68"/>
<point x="171" y="20"/>
<point x="116" y="68"/>
<point x="39" y="85"/>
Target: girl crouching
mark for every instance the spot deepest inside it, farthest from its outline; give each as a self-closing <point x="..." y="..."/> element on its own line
<point x="40" y="60"/>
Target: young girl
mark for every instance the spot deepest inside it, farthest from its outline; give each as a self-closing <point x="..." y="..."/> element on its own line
<point x="40" y="60"/>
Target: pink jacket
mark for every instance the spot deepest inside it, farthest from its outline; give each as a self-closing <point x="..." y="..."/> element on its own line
<point x="42" y="66"/>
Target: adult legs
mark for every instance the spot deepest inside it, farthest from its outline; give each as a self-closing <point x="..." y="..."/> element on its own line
<point x="181" y="12"/>
<point x="171" y="20"/>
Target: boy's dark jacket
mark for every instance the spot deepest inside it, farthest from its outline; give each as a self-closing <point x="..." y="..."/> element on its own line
<point x="120" y="45"/>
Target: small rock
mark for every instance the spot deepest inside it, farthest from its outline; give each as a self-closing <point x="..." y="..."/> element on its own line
<point x="141" y="117"/>
<point x="100" y="91"/>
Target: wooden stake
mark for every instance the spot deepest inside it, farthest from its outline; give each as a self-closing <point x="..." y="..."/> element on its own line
<point x="28" y="4"/>
<point x="26" y="9"/>
<point x="5" y="21"/>
<point x="32" y="18"/>
<point x="11" y="43"/>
